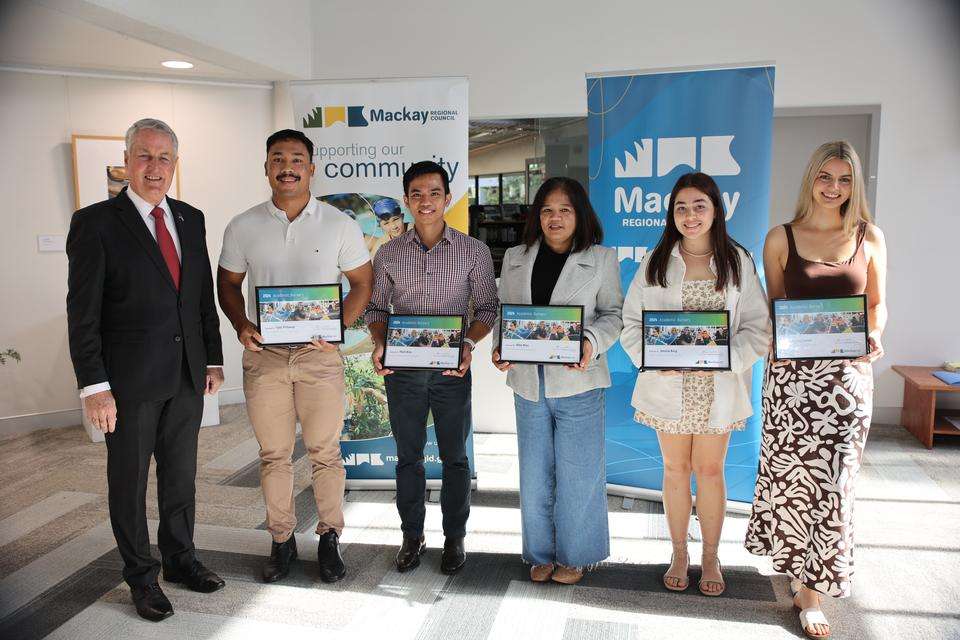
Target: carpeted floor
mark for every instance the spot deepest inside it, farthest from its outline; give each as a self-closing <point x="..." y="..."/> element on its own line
<point x="60" y="571"/>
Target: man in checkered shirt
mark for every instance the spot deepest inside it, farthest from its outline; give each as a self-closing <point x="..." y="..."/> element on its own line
<point x="431" y="269"/>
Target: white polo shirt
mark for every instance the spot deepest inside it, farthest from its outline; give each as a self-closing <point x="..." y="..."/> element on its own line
<point x="315" y="248"/>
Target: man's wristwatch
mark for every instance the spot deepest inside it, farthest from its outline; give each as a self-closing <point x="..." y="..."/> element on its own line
<point x="473" y="345"/>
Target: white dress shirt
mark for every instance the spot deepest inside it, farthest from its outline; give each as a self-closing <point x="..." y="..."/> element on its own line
<point x="145" y="210"/>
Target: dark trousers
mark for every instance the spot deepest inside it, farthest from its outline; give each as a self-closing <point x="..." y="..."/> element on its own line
<point x="410" y="396"/>
<point x="167" y="430"/>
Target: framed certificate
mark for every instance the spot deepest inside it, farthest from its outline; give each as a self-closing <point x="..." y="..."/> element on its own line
<point x="686" y="340"/>
<point x="541" y="334"/>
<point x="423" y="342"/>
<point x="297" y="314"/>
<point x="832" y="328"/>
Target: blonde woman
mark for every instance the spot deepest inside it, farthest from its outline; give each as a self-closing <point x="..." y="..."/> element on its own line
<point x="817" y="412"/>
<point x="696" y="266"/>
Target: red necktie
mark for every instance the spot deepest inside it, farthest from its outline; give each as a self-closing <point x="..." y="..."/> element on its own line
<point x="167" y="248"/>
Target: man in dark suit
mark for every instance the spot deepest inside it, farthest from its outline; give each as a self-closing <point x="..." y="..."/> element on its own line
<point x="145" y="344"/>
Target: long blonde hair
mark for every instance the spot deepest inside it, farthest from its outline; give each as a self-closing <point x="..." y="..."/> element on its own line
<point x="856" y="208"/>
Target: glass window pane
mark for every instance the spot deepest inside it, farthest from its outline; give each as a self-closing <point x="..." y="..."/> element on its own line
<point x="514" y="188"/>
<point x="489" y="190"/>
<point x="472" y="189"/>
<point x="536" y="168"/>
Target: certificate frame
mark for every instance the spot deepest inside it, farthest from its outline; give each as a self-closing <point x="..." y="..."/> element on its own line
<point x="649" y="318"/>
<point x="832" y="306"/>
<point x="261" y="303"/>
<point x="560" y="309"/>
<point x="394" y="318"/>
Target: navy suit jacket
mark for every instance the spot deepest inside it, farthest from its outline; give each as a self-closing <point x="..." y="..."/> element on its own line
<point x="127" y="322"/>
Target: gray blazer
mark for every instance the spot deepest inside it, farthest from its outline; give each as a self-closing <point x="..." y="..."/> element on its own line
<point x="590" y="278"/>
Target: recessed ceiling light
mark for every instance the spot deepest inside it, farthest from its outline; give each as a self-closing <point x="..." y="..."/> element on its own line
<point x="177" y="64"/>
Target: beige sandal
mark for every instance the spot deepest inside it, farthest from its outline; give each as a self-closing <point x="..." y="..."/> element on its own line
<point x="708" y="551"/>
<point x="680" y="584"/>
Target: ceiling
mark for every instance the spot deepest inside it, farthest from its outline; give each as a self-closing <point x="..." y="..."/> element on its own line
<point x="489" y="133"/>
<point x="51" y="35"/>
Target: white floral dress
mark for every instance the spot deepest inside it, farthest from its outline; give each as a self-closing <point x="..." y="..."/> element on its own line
<point x="698" y="393"/>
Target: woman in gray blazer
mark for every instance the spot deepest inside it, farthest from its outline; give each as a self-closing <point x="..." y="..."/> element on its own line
<point x="560" y="408"/>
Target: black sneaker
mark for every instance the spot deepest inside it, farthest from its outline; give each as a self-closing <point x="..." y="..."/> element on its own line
<point x="278" y="565"/>
<point x="329" y="559"/>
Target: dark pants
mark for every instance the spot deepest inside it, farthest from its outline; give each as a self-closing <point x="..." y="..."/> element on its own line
<point x="166" y="429"/>
<point x="411" y="395"/>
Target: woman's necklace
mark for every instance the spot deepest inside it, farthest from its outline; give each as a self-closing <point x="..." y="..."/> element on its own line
<point x="695" y="255"/>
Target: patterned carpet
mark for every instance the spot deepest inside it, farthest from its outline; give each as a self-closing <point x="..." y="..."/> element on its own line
<point x="60" y="571"/>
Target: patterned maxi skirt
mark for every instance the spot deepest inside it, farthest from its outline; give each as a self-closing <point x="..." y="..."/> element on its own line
<point x="816" y="415"/>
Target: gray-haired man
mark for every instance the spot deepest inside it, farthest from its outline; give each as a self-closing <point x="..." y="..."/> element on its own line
<point x="145" y="343"/>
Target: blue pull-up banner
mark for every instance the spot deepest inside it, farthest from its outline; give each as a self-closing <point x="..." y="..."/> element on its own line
<point x="645" y="131"/>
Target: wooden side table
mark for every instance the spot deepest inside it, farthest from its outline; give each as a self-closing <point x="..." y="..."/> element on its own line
<point x="920" y="414"/>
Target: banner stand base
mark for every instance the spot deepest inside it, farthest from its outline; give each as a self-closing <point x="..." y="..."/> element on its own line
<point x="657" y="496"/>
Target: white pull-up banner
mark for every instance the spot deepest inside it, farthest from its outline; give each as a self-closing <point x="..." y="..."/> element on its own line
<point x="365" y="135"/>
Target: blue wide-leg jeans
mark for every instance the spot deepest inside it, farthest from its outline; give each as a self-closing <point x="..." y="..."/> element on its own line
<point x="563" y="494"/>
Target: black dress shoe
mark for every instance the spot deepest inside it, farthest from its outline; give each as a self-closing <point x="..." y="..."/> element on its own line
<point x="150" y="602"/>
<point x="454" y="555"/>
<point x="277" y="565"/>
<point x="196" y="577"/>
<point x="408" y="557"/>
<point x="329" y="559"/>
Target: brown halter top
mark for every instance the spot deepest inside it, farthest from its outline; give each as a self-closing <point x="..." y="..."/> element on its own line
<point x="804" y="278"/>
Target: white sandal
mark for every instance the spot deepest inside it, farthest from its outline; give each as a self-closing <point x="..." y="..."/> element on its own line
<point x="810" y="617"/>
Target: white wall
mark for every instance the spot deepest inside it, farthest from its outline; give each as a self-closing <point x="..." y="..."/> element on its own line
<point x="221" y="130"/>
<point x="529" y="59"/>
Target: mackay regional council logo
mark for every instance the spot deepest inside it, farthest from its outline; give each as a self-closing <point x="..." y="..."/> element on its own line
<point x="361" y="116"/>
<point x="642" y="205"/>
<point x="715" y="157"/>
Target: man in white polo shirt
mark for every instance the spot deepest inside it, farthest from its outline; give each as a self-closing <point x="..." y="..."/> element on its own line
<point x="293" y="239"/>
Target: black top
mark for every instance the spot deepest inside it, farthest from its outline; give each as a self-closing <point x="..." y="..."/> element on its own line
<point x="546" y="272"/>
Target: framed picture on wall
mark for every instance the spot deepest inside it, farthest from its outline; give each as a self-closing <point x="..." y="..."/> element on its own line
<point x="98" y="169"/>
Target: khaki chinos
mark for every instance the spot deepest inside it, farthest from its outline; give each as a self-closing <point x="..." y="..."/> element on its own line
<point x="283" y="385"/>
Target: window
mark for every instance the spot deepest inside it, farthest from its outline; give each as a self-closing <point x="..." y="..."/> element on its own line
<point x="536" y="167"/>
<point x="514" y="188"/>
<point x="488" y="190"/>
<point x="472" y="189"/>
